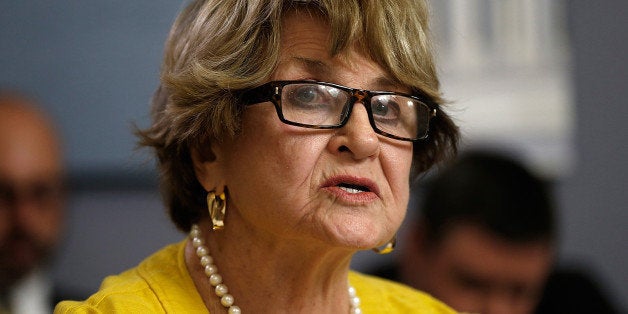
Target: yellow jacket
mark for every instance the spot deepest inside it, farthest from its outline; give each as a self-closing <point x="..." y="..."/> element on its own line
<point x="162" y="284"/>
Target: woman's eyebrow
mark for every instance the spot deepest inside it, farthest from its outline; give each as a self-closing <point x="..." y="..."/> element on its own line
<point x="386" y="83"/>
<point x="314" y="66"/>
<point x="323" y="69"/>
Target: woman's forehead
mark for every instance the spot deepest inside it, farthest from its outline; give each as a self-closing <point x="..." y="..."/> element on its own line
<point x="305" y="53"/>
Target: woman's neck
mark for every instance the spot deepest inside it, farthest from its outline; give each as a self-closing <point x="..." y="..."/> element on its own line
<point x="284" y="276"/>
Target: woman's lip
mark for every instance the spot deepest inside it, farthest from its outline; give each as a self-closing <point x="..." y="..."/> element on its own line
<point x="336" y="181"/>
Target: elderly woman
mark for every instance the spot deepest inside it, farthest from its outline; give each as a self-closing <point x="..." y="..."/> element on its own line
<point x="287" y="134"/>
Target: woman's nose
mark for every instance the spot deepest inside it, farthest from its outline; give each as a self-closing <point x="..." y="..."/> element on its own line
<point x="357" y="136"/>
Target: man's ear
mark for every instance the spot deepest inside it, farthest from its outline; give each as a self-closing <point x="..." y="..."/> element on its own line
<point x="412" y="258"/>
<point x="208" y="163"/>
<point x="414" y="240"/>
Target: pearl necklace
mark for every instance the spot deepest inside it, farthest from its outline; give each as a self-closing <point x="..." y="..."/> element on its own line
<point x="221" y="289"/>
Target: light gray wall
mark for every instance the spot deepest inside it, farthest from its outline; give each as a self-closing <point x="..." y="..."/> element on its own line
<point x="95" y="64"/>
<point x="108" y="232"/>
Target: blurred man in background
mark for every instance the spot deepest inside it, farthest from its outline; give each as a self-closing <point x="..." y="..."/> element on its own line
<point x="485" y="242"/>
<point x="485" y="239"/>
<point x="31" y="205"/>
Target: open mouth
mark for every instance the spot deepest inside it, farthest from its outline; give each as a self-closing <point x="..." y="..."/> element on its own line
<point x="353" y="188"/>
<point x="352" y="185"/>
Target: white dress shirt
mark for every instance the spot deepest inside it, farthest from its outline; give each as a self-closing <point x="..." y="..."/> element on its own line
<point x="31" y="295"/>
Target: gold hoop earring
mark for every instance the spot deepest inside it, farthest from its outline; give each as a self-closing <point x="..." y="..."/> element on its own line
<point x="217" y="208"/>
<point x="386" y="248"/>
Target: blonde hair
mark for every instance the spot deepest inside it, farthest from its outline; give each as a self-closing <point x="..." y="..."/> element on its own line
<point x="218" y="48"/>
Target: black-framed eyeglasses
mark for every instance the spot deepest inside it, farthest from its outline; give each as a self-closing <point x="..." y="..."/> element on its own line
<point x="321" y="105"/>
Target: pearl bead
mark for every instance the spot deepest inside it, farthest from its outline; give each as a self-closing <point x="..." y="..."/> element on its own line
<point x="210" y="269"/>
<point x="196" y="242"/>
<point x="195" y="232"/>
<point x="215" y="279"/>
<point x="206" y="260"/>
<point x="221" y="290"/>
<point x="234" y="309"/>
<point x="355" y="301"/>
<point x="351" y="291"/>
<point x="201" y="251"/>
<point x="226" y="300"/>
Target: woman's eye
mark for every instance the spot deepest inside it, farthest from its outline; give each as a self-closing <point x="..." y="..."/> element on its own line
<point x="380" y="108"/>
<point x="311" y="97"/>
<point x="306" y="95"/>
<point x="384" y="108"/>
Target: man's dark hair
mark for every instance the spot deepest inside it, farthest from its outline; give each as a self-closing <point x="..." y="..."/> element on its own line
<point x="492" y="191"/>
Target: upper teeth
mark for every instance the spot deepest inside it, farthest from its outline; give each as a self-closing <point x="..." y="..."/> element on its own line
<point x="350" y="190"/>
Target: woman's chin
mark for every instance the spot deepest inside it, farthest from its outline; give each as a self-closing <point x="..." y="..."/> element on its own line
<point x="360" y="238"/>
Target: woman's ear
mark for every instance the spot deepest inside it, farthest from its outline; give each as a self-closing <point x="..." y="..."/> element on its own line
<point x="208" y="163"/>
